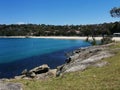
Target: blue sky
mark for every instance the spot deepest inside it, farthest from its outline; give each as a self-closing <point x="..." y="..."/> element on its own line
<point x="57" y="12"/>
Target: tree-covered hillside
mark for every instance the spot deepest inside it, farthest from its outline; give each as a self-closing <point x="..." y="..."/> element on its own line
<point x="59" y="30"/>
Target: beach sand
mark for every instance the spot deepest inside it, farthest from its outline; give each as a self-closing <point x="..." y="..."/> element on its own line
<point x="59" y="37"/>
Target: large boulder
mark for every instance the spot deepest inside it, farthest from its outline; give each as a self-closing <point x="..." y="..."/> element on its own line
<point x="41" y="69"/>
<point x="49" y="74"/>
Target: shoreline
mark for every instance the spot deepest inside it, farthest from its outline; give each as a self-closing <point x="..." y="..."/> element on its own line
<point x="59" y="37"/>
<point x="74" y="62"/>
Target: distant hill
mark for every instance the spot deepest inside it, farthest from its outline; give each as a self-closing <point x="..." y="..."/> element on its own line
<point x="59" y="30"/>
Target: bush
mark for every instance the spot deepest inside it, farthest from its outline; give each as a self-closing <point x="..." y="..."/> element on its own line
<point x="106" y="40"/>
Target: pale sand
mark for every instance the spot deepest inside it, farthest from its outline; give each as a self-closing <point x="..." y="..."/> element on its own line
<point x="60" y="37"/>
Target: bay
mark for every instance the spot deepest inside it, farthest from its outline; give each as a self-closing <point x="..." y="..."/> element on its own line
<point x="17" y="54"/>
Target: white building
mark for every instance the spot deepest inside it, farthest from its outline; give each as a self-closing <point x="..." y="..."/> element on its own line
<point x="116" y="34"/>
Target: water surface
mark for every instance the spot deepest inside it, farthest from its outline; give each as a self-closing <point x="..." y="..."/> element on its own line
<point x="17" y="54"/>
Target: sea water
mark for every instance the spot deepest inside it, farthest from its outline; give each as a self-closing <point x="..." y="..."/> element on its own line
<point x="17" y="54"/>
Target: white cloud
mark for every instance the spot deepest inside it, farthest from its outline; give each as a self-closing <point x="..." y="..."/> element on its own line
<point x="20" y="23"/>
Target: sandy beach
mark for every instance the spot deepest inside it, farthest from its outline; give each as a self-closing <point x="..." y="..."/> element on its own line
<point x="59" y="37"/>
<point x="75" y="38"/>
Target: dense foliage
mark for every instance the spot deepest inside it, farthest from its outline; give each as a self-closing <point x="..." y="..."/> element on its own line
<point x="59" y="30"/>
<point x="115" y="12"/>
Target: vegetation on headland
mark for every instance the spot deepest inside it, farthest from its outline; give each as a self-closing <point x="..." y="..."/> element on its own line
<point x="60" y="30"/>
<point x="104" y="78"/>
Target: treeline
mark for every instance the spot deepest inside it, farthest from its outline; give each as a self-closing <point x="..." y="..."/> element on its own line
<point x="59" y="30"/>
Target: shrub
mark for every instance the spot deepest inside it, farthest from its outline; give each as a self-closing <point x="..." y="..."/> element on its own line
<point x="106" y="40"/>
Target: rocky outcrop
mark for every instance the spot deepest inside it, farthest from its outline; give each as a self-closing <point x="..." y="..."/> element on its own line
<point x="82" y="58"/>
<point x="10" y="86"/>
<point x="78" y="60"/>
<point x="40" y="72"/>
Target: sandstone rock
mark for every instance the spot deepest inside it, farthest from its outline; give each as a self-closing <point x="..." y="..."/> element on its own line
<point x="33" y="75"/>
<point x="24" y="72"/>
<point x="41" y="69"/>
<point x="83" y="58"/>
<point x="77" y="68"/>
<point x="49" y="74"/>
<point x="42" y="76"/>
<point x="37" y="73"/>
<point x="26" y="78"/>
<point x="74" y="57"/>
<point x="4" y="80"/>
<point x="52" y="72"/>
<point x="101" y="64"/>
<point x="10" y="86"/>
<point x="20" y="77"/>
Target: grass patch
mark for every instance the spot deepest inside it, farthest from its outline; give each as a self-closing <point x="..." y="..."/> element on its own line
<point x="105" y="78"/>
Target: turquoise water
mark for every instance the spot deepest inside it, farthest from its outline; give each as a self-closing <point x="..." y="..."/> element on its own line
<point x="18" y="54"/>
<point x="16" y="49"/>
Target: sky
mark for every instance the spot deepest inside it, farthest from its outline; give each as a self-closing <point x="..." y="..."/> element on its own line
<point x="57" y="12"/>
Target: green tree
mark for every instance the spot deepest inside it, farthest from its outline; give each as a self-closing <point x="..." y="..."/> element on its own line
<point x="115" y="12"/>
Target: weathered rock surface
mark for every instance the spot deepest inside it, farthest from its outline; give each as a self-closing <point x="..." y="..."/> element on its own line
<point x="41" y="69"/>
<point x="82" y="58"/>
<point x="101" y="64"/>
<point x="40" y="72"/>
<point x="10" y="86"/>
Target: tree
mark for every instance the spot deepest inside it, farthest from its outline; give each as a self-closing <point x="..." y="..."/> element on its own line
<point x="115" y="12"/>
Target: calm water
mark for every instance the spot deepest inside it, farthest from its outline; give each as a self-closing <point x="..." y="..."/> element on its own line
<point x="18" y="54"/>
